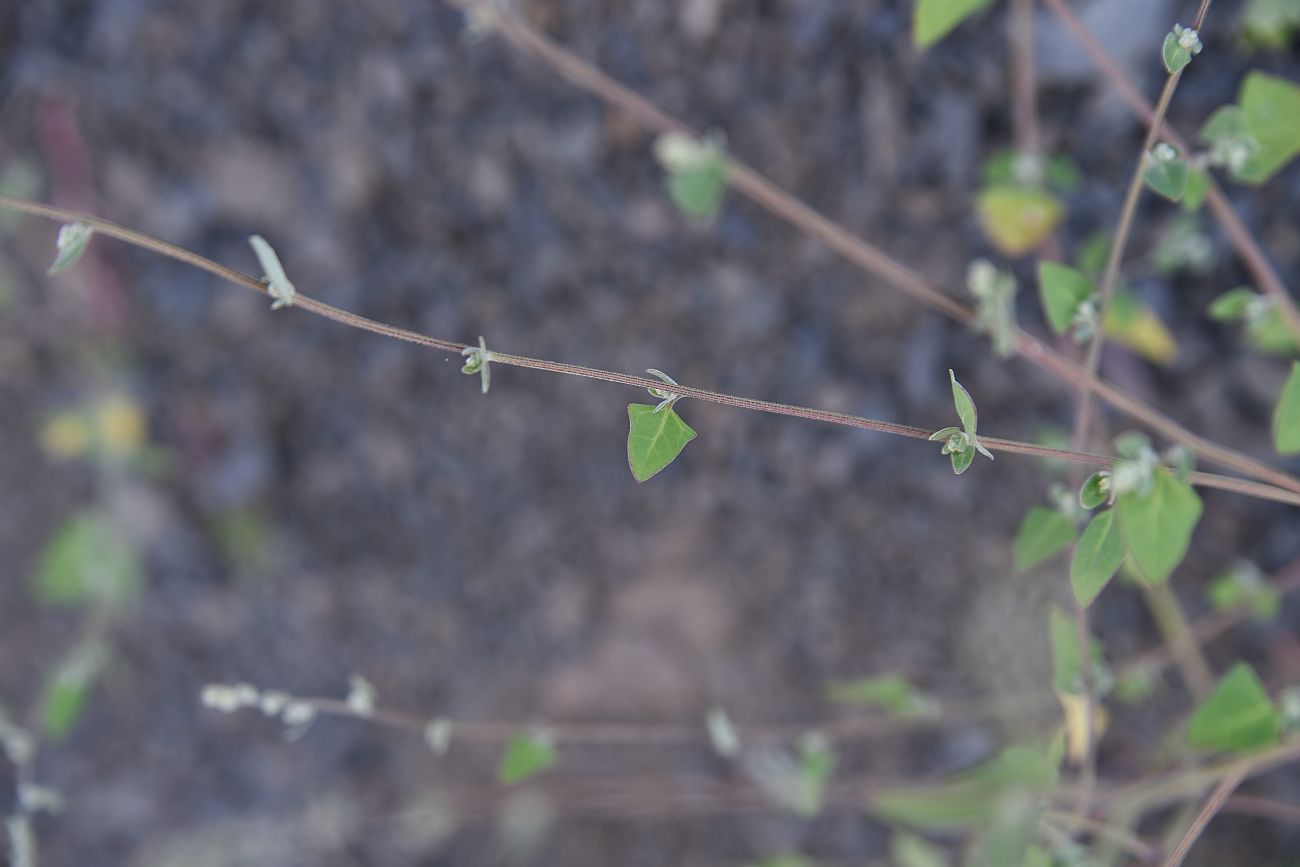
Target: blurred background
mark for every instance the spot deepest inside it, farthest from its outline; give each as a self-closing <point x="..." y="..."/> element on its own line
<point x="280" y="500"/>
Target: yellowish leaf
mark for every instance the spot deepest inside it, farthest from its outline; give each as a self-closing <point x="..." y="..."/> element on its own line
<point x="1018" y="219"/>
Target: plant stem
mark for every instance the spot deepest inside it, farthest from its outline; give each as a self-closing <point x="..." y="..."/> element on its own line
<point x="1127" y="214"/>
<point x="1145" y="795"/>
<point x="1229" y="220"/>
<point x="1177" y="633"/>
<point x="1131" y="843"/>
<point x="305" y="302"/>
<point x="1212" y="806"/>
<point x="780" y="203"/>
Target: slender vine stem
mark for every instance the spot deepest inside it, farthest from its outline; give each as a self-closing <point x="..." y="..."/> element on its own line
<point x="1245" y="243"/>
<point x="1213" y="804"/>
<point x="781" y="204"/>
<point x="1127" y="214"/>
<point x="329" y="311"/>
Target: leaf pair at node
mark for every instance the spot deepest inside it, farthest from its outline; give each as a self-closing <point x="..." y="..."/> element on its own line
<point x="960" y="444"/>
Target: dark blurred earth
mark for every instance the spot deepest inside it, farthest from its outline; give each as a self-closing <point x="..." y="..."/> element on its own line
<point x="334" y="502"/>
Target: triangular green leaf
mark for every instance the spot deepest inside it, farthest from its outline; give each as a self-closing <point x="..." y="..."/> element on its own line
<point x="654" y="439"/>
<point x="1272" y="109"/>
<point x="1157" y="528"/>
<point x="934" y="19"/>
<point x="1286" y="418"/>
<point x="1198" y="187"/>
<point x="1096" y="558"/>
<point x="1061" y="289"/>
<point x="1042" y="533"/>
<point x="1233" y="305"/>
<point x="1238" y="715"/>
<point x="1174" y="55"/>
<point x="961" y="461"/>
<point x="525" y="756"/>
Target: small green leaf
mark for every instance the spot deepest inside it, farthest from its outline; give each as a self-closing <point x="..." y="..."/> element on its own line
<point x="1286" y="417"/>
<point x="1095" y="490"/>
<point x="1018" y="219"/>
<point x="67" y="688"/>
<point x="962" y="460"/>
<point x="654" y="439"/>
<point x="1238" y="715"/>
<point x="1096" y="558"/>
<point x="1245" y="587"/>
<point x="1062" y="290"/>
<point x="965" y="406"/>
<point x="1158" y="527"/>
<point x="1174" y="55"/>
<point x="1232" y="306"/>
<point x="697" y="173"/>
<point x="89" y="560"/>
<point x="1042" y="533"/>
<point x="1197" y="188"/>
<point x="1272" y="109"/>
<point x="934" y="19"/>
<point x="525" y="756"/>
<point x="71" y="244"/>
<point x="889" y="692"/>
<point x="970" y="798"/>
<point x="1166" y="173"/>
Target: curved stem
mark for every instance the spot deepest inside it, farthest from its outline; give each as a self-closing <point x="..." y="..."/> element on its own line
<point x="329" y="311"/>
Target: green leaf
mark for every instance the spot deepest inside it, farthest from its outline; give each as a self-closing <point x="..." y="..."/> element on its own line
<point x="1233" y="305"/>
<point x="525" y="756"/>
<point x="909" y="850"/>
<point x="1197" y="188"/>
<point x="889" y="692"/>
<point x="654" y="439"/>
<point x="67" y="688"/>
<point x="89" y="560"/>
<point x="965" y="405"/>
<point x="1270" y="333"/>
<point x="1157" y="528"/>
<point x="1270" y="23"/>
<point x="1245" y="587"/>
<point x="1096" y="558"/>
<point x="1167" y="176"/>
<point x="1018" y="219"/>
<point x="1286" y="418"/>
<point x="1042" y="533"/>
<point x="697" y="173"/>
<point x="1174" y="55"/>
<point x="71" y="244"/>
<point x="970" y="798"/>
<point x="934" y="19"/>
<point x="1095" y="490"/>
<point x="962" y="460"/>
<point x="1238" y="715"/>
<point x="1272" y="109"/>
<point x="1062" y="290"/>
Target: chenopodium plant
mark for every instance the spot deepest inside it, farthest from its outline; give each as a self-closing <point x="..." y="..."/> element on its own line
<point x="961" y="443"/>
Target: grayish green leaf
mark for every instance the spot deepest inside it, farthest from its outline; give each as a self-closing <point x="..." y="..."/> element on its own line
<point x="934" y="19"/>
<point x="277" y="282"/>
<point x="89" y="560"/>
<point x="71" y="244"/>
<point x="1062" y="289"/>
